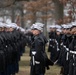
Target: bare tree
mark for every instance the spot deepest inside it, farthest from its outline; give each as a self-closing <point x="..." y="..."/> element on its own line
<point x="5" y="3"/>
<point x="71" y="11"/>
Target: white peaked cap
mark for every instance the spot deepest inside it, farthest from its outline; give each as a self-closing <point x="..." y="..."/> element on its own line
<point x="64" y="25"/>
<point x="59" y="30"/>
<point x="13" y="25"/>
<point x="2" y="24"/>
<point x="38" y="27"/>
<point x="73" y="23"/>
<point x="58" y="27"/>
<point x="8" y="21"/>
<point x="39" y="24"/>
<point x="69" y="25"/>
<point x="7" y="26"/>
<point x="52" y="26"/>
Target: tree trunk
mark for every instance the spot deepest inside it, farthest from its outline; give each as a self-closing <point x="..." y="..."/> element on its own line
<point x="58" y="9"/>
<point x="13" y="15"/>
<point x="22" y="15"/>
<point x="34" y="18"/>
<point x="5" y="3"/>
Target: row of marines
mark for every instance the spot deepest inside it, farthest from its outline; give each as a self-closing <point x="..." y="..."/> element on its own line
<point x="62" y="47"/>
<point x="12" y="46"/>
<point x="13" y="40"/>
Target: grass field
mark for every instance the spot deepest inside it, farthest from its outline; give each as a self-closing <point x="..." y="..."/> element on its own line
<point x="25" y="68"/>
